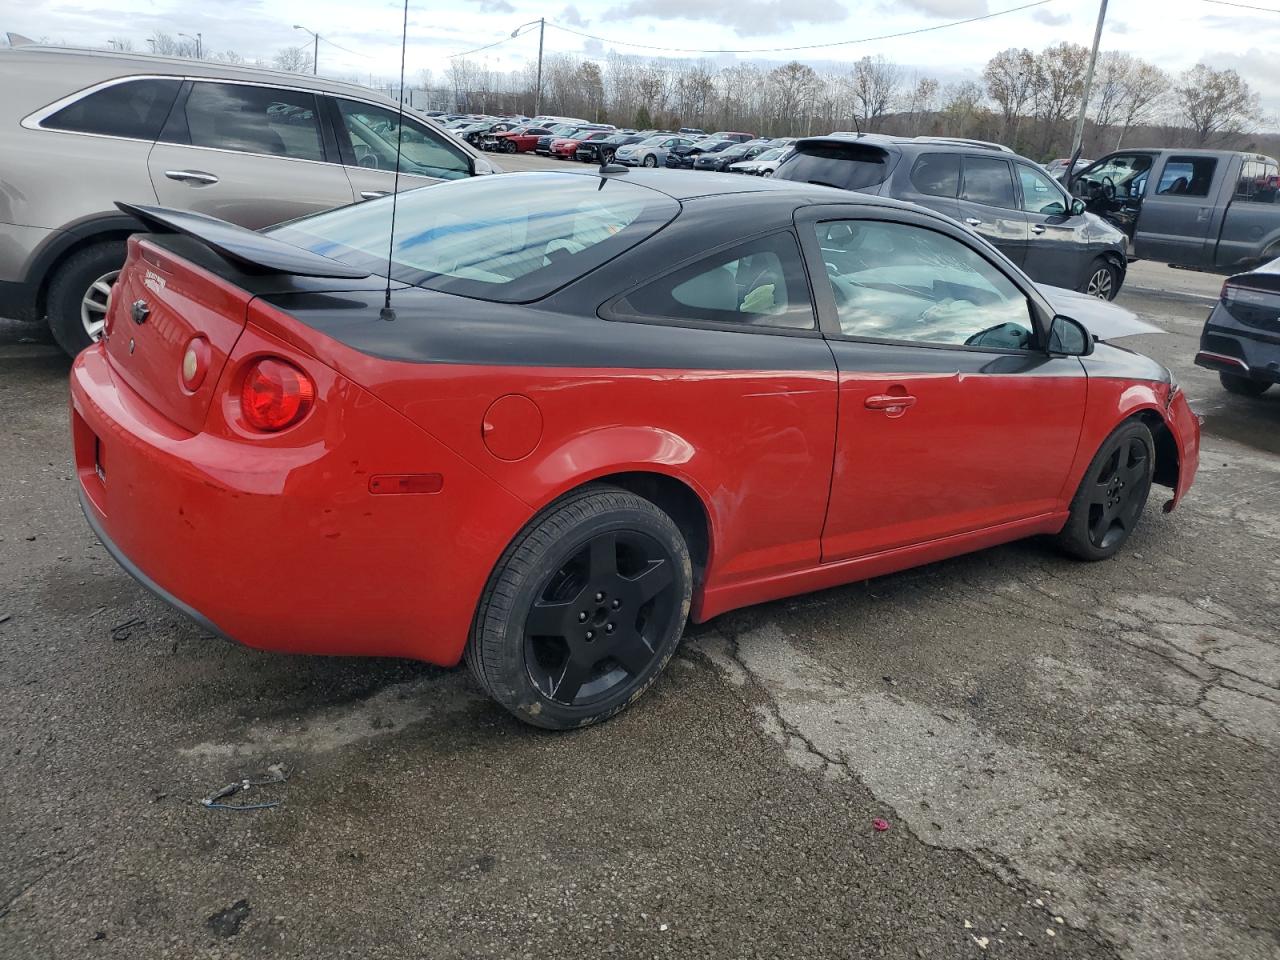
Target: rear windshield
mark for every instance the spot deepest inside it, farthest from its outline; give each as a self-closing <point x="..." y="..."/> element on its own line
<point x="511" y="238"/>
<point x="848" y="166"/>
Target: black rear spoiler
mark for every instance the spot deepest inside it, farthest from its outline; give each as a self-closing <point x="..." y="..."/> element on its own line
<point x="255" y="251"/>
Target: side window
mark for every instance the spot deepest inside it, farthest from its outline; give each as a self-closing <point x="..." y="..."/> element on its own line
<point x="989" y="182"/>
<point x="135" y="108"/>
<point x="760" y="283"/>
<point x="1257" y="182"/>
<point x="249" y="119"/>
<point x="894" y="281"/>
<point x="1186" y="176"/>
<point x="1039" y="194"/>
<point x="937" y="175"/>
<point x="373" y="132"/>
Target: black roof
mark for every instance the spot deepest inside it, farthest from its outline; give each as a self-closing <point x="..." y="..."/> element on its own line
<point x="690" y="185"/>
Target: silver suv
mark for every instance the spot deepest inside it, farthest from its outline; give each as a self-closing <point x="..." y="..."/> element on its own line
<point x="82" y="129"/>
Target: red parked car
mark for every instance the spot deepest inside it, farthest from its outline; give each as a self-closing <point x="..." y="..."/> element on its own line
<point x="520" y="140"/>
<point x="599" y="405"/>
<point x="566" y="148"/>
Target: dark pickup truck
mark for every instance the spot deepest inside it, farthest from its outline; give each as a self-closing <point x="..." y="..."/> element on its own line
<point x="1209" y="209"/>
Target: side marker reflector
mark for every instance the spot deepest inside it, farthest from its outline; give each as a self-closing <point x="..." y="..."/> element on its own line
<point x="406" y="483"/>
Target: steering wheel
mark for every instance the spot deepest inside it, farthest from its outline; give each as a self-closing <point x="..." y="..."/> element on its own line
<point x="1108" y="188"/>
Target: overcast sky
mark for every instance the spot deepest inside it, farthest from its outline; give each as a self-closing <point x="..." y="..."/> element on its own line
<point x="1172" y="33"/>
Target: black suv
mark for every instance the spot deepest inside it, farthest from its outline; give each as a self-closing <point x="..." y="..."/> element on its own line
<point x="1007" y="199"/>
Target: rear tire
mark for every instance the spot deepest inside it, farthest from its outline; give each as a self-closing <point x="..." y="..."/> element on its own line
<point x="1109" y="502"/>
<point x="1103" y="280"/>
<point x="583" y="611"/>
<point x="1243" y="386"/>
<point x="77" y="294"/>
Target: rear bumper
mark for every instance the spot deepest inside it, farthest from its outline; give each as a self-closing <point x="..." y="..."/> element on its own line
<point x="286" y="548"/>
<point x="1230" y="347"/>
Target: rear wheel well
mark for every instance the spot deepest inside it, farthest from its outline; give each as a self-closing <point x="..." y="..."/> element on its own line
<point x="42" y="291"/>
<point x="1166" y="469"/>
<point x="678" y="501"/>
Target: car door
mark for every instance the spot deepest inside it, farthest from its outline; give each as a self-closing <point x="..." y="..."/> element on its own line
<point x="1057" y="251"/>
<point x="953" y="418"/>
<point x="367" y="142"/>
<point x="989" y="205"/>
<point x="1178" y="211"/>
<point x="745" y="310"/>
<point x="251" y="154"/>
<point x="1113" y="188"/>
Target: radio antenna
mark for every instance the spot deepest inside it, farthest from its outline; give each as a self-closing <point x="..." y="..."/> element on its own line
<point x="387" y="312"/>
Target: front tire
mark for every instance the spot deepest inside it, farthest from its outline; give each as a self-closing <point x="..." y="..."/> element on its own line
<point x="1112" y="494"/>
<point x="650" y="160"/>
<point x="1103" y="280"/>
<point x="78" y="290"/>
<point x="1243" y="386"/>
<point x="583" y="611"/>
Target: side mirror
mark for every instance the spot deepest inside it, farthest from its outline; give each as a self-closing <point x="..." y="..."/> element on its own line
<point x="1069" y="338"/>
<point x="1077" y="207"/>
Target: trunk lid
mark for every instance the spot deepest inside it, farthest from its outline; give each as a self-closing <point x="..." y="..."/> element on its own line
<point x="159" y="304"/>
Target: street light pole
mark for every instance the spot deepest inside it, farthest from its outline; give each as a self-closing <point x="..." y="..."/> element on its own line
<point x="1077" y="139"/>
<point x="542" y="27"/>
<point x="199" y="39"/>
<point x="315" y="47"/>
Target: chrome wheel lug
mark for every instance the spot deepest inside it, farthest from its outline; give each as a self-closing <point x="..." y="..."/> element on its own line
<point x="591" y="634"/>
<point x="617" y="604"/>
<point x="582" y="616"/>
<point x="608" y="628"/>
<point x="599" y="597"/>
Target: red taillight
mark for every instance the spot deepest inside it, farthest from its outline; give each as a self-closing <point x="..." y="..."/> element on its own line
<point x="195" y="363"/>
<point x="275" y="395"/>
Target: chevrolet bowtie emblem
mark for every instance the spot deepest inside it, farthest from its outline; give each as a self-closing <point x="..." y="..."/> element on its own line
<point x="140" y="311"/>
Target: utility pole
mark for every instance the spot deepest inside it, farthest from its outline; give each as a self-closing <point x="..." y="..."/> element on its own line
<point x="542" y="27"/>
<point x="315" y="47"/>
<point x="1077" y="140"/>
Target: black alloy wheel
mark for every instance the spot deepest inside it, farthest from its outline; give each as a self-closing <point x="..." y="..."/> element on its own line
<point x="1112" y="495"/>
<point x="584" y="610"/>
<point x="598" y="622"/>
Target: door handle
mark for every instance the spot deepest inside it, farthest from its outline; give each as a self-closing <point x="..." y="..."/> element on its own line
<point x="973" y="221"/>
<point x="1037" y="229"/>
<point x="191" y="176"/>
<point x="373" y="194"/>
<point x="894" y="404"/>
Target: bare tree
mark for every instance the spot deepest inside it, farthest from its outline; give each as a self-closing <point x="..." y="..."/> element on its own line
<point x="1143" y="95"/>
<point x="921" y="102"/>
<point x="229" y="56"/>
<point x="1010" y="78"/>
<point x="962" y="108"/>
<point x="1059" y="81"/>
<point x="123" y="44"/>
<point x="163" y="44"/>
<point x="1216" y="104"/>
<point x="793" y="85"/>
<point x="874" y="84"/>
<point x="293" y="60"/>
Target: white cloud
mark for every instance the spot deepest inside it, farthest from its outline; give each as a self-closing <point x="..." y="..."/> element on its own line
<point x="744" y="17"/>
<point x="1051" y="19"/>
<point x="570" y="16"/>
<point x="947" y="9"/>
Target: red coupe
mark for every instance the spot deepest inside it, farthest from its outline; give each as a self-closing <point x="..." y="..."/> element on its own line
<point x="520" y="140"/>
<point x="566" y="148"/>
<point x="596" y="406"/>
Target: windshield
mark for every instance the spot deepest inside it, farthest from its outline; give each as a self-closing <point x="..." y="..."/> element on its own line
<point x="773" y="154"/>
<point x="512" y="238"/>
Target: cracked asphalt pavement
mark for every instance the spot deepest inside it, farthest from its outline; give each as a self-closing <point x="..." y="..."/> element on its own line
<point x="1074" y="760"/>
